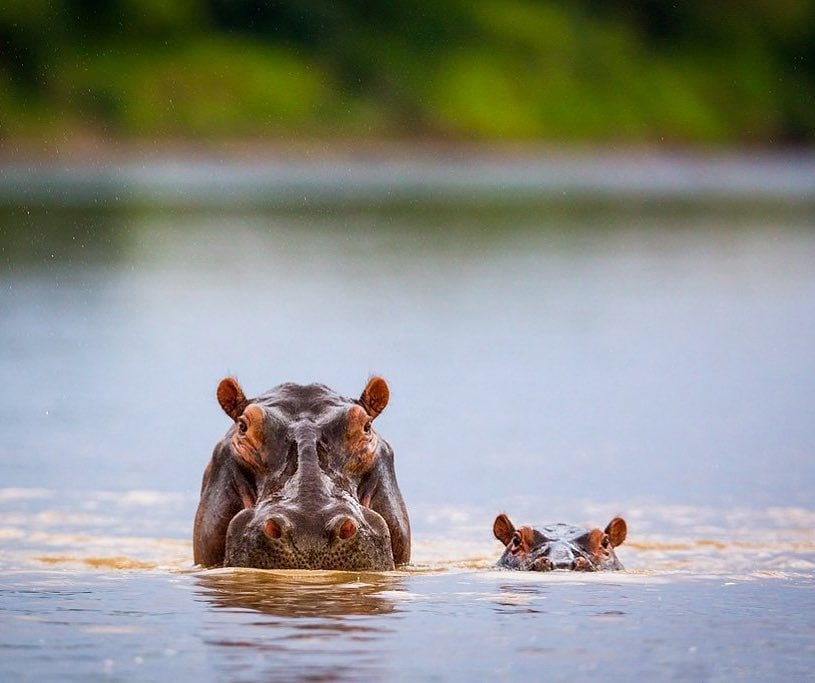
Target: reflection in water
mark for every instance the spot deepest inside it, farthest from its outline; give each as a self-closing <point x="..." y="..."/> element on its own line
<point x="315" y="625"/>
<point x="33" y="238"/>
<point x="519" y="599"/>
<point x="321" y="594"/>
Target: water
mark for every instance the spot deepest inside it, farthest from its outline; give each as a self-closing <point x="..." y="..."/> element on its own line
<point x="559" y="361"/>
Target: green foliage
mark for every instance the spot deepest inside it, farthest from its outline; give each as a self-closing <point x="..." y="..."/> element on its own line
<point x="576" y="70"/>
<point x="206" y="87"/>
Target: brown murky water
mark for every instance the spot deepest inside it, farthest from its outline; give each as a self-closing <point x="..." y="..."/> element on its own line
<point x="557" y="364"/>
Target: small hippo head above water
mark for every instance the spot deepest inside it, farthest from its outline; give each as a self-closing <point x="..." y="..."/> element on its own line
<point x="302" y="480"/>
<point x="559" y="546"/>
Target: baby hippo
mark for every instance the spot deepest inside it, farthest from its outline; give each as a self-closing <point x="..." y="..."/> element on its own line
<point x="559" y="546"/>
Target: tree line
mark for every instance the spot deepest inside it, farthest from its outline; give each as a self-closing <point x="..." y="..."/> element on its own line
<point x="631" y="71"/>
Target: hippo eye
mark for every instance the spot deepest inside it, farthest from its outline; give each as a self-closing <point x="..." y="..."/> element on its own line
<point x="242" y="426"/>
<point x="367" y="428"/>
<point x="605" y="542"/>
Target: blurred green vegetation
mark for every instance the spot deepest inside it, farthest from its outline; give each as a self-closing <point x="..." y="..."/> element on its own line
<point x="555" y="70"/>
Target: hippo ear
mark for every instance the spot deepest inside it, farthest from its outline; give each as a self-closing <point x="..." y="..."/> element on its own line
<point x="617" y="530"/>
<point x="375" y="396"/>
<point x="503" y="528"/>
<point x="231" y="398"/>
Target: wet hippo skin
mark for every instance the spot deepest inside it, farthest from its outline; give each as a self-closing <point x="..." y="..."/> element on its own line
<point x="559" y="546"/>
<point x="302" y="480"/>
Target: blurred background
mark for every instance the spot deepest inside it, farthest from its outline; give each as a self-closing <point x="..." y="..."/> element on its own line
<point x="576" y="238"/>
<point x="650" y="71"/>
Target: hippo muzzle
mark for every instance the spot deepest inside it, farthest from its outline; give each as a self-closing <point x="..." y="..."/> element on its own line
<point x="279" y="536"/>
<point x="554" y="555"/>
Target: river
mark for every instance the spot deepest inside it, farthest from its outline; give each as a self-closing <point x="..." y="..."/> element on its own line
<point x="565" y="358"/>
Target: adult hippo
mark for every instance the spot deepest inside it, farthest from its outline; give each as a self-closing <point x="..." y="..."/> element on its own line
<point x="301" y="480"/>
<point x="559" y="546"/>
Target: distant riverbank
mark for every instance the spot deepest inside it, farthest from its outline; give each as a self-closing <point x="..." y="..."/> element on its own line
<point x="318" y="175"/>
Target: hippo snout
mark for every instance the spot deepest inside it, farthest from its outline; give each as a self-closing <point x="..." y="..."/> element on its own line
<point x="307" y="537"/>
<point x="278" y="526"/>
<point x="542" y="564"/>
<point x="270" y="538"/>
<point x="555" y="556"/>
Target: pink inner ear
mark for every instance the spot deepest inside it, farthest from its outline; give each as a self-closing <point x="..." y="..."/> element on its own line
<point x="617" y="530"/>
<point x="231" y="397"/>
<point x="375" y="397"/>
<point x="503" y="529"/>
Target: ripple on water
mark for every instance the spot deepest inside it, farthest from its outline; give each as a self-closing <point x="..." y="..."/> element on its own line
<point x="94" y="531"/>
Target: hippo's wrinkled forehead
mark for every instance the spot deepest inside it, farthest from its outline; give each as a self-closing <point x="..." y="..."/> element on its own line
<point x="568" y="533"/>
<point x="310" y="402"/>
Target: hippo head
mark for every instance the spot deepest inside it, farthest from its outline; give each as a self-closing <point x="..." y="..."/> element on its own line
<point x="559" y="546"/>
<point x="302" y="480"/>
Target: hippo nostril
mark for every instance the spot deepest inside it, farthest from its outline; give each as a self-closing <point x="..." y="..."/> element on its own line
<point x="272" y="529"/>
<point x="346" y="529"/>
<point x="542" y="564"/>
<point x="581" y="564"/>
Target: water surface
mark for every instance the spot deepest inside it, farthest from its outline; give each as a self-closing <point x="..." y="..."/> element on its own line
<point x="559" y="361"/>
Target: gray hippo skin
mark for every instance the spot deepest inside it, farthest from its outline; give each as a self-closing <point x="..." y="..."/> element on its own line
<point x="559" y="546"/>
<point x="302" y="480"/>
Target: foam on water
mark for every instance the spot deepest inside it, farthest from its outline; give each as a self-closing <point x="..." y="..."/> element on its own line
<point x="150" y="530"/>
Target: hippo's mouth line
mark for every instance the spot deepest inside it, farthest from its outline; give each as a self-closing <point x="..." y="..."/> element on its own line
<point x="579" y="561"/>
